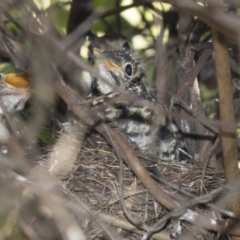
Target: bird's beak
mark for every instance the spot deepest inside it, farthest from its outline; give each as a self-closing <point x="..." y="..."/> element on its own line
<point x="101" y="59"/>
<point x="18" y="81"/>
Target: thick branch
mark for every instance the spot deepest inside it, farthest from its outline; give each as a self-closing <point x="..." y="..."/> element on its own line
<point x="229" y="145"/>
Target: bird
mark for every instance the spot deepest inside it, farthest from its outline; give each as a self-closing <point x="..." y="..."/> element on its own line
<point x="118" y="68"/>
<point x="14" y="91"/>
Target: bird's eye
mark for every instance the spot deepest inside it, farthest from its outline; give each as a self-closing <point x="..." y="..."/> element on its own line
<point x="126" y="47"/>
<point x="129" y="69"/>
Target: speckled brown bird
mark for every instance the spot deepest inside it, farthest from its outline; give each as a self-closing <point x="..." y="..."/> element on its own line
<point x="14" y="90"/>
<point x="115" y="68"/>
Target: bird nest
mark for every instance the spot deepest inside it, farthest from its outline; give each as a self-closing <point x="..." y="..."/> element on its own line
<point x="96" y="176"/>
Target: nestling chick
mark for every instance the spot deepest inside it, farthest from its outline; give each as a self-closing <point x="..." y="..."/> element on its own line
<point x="117" y="68"/>
<point x="14" y="90"/>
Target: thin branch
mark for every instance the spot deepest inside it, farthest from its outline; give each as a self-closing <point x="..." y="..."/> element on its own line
<point x="196" y="70"/>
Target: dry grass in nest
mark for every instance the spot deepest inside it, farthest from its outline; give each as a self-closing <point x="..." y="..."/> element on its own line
<point x="95" y="179"/>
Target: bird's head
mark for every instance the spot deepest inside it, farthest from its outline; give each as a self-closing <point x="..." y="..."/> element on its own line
<point x="14" y="90"/>
<point x="113" y="68"/>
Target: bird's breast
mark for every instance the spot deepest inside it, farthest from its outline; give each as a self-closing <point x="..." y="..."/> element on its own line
<point x="13" y="102"/>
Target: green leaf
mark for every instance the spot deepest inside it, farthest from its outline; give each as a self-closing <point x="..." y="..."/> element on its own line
<point x="58" y="14"/>
<point x="46" y="136"/>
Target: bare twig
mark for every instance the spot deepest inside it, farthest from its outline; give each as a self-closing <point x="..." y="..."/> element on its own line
<point x="122" y="223"/>
<point x="196" y="70"/>
<point x="7" y="116"/>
